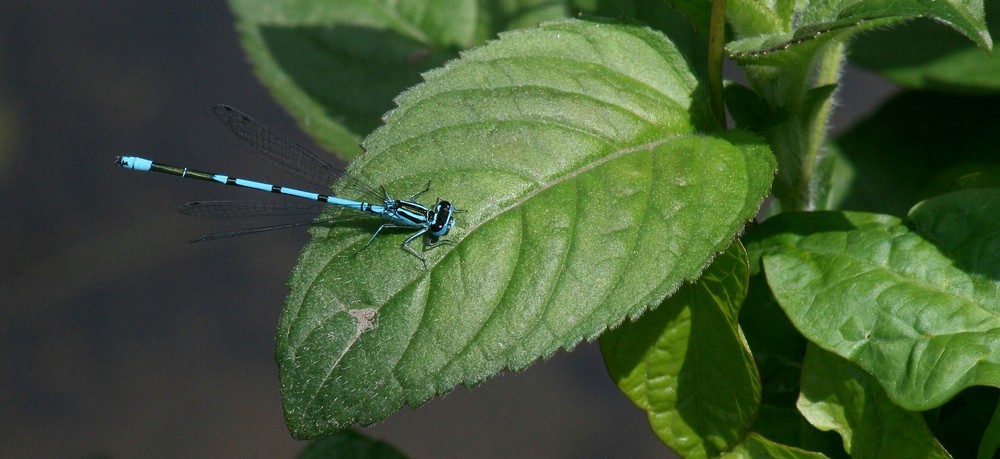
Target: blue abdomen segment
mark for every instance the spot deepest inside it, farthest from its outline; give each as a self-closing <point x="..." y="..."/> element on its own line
<point x="430" y="222"/>
<point x="143" y="164"/>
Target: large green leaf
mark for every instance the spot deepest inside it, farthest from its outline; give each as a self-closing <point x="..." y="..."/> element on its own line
<point x="337" y="66"/>
<point x="686" y="364"/>
<point x="580" y="152"/>
<point x="837" y="395"/>
<point x="915" y="307"/>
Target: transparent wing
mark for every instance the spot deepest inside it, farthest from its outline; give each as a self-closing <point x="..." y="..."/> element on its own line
<point x="263" y="229"/>
<point x="247" y="209"/>
<point x="287" y="155"/>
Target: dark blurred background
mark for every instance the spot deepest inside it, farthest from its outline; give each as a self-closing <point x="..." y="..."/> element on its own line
<point x="120" y="338"/>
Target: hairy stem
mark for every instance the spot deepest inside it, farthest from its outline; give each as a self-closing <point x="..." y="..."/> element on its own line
<point x="828" y="72"/>
<point x="804" y="93"/>
<point x="716" y="48"/>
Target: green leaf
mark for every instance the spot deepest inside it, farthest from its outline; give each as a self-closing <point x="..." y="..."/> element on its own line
<point x="963" y="424"/>
<point x="349" y="445"/>
<point x="756" y="446"/>
<point x="746" y="17"/>
<point x="750" y="111"/>
<point x="660" y="15"/>
<point x="916" y="146"/>
<point x="787" y="426"/>
<point x="592" y="192"/>
<point x="818" y="22"/>
<point x="987" y="178"/>
<point x="965" y="225"/>
<point x="751" y="17"/>
<point x="990" y="444"/>
<point x="839" y="396"/>
<point x="804" y="53"/>
<point x="686" y="364"/>
<point x="833" y="180"/>
<point x="777" y="346"/>
<point x="921" y="318"/>
<point x="697" y="12"/>
<point x="930" y="55"/>
<point x="820" y="183"/>
<point x="778" y="350"/>
<point x="337" y="66"/>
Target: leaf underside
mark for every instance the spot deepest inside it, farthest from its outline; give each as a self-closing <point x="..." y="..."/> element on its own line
<point x="784" y="32"/>
<point x="837" y="395"/>
<point x="686" y="363"/>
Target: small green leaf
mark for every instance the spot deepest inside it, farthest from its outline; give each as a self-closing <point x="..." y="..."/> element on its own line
<point x="750" y="111"/>
<point x="930" y="55"/>
<point x="349" y="445"/>
<point x="839" y="396"/>
<point x="990" y="444"/>
<point x="755" y="446"/>
<point x="908" y="150"/>
<point x="787" y="67"/>
<point x="987" y="178"/>
<point x="686" y="364"/>
<point x="579" y="152"/>
<point x="337" y="66"/>
<point x="921" y="318"/>
<point x="833" y="179"/>
<point x="962" y="425"/>
<point x="746" y="17"/>
<point x="777" y="346"/>
<point x="787" y="426"/>
<point x="697" y="12"/>
<point x="965" y="225"/>
<point x="820" y="21"/>
<point x="778" y="350"/>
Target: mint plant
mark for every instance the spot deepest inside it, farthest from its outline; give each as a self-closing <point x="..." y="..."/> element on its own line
<point x="605" y="197"/>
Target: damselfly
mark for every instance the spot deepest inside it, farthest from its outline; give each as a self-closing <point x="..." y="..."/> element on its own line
<point x="430" y="222"/>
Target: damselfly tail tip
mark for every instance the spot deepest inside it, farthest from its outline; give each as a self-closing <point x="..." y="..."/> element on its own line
<point x="133" y="162"/>
<point x="127" y="162"/>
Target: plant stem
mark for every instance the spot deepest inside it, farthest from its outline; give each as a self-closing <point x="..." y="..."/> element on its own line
<point x="828" y="72"/>
<point x="716" y="49"/>
<point x="802" y="88"/>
